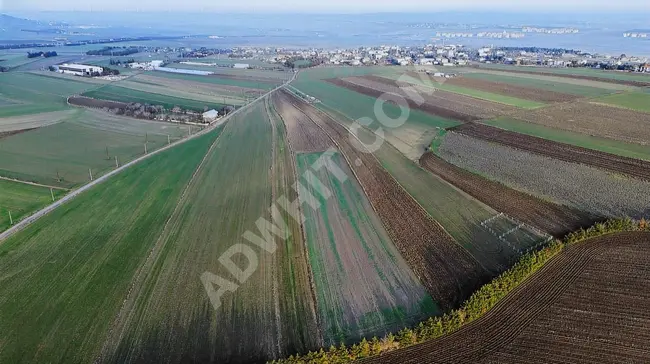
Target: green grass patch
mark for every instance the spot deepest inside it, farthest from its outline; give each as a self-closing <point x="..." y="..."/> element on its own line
<point x="578" y="71"/>
<point x="117" y="93"/>
<point x="631" y="150"/>
<point x="542" y="84"/>
<point x="68" y="273"/>
<point x="631" y="100"/>
<point x="22" y="199"/>
<point x="437" y="140"/>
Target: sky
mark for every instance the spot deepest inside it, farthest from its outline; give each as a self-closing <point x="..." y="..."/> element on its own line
<point x="329" y="6"/>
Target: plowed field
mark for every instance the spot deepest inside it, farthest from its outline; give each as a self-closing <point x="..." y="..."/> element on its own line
<point x="593" y="119"/>
<point x="528" y="93"/>
<point x="554" y="219"/>
<point x="569" y="153"/>
<point x="447" y="270"/>
<point x="303" y="135"/>
<point x="588" y="305"/>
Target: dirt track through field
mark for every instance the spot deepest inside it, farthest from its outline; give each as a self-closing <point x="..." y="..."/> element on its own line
<point x="565" y="152"/>
<point x="304" y="136"/>
<point x="446" y="269"/>
<point x="554" y="219"/>
<point x="587" y="305"/>
<point x="502" y="88"/>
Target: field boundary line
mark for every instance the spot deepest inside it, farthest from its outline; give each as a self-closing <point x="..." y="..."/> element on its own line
<point x="34" y="184"/>
<point x="46" y="210"/>
<point x="391" y="176"/>
<point x="312" y="283"/>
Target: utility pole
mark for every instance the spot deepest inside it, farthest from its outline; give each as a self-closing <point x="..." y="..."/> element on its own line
<point x="11" y="220"/>
<point x="117" y="165"/>
<point x="107" y="156"/>
<point x="52" y="194"/>
<point x="189" y="130"/>
<point x="168" y="140"/>
<point x="145" y="148"/>
<point x="90" y="172"/>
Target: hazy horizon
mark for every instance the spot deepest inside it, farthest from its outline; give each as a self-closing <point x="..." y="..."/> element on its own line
<point x="330" y="7"/>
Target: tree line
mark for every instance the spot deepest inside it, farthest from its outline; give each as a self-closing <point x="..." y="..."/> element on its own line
<point x="475" y="307"/>
<point x="41" y="54"/>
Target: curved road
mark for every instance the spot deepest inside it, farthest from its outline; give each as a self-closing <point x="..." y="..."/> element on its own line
<point x="37" y="215"/>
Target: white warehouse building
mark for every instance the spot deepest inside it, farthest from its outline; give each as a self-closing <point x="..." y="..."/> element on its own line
<point x="79" y="69"/>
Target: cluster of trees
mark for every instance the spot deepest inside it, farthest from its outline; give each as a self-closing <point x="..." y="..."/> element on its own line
<point x="41" y="54"/>
<point x="117" y="62"/>
<point x="138" y="110"/>
<point x="476" y="306"/>
<point x="106" y="72"/>
<point x="114" y="51"/>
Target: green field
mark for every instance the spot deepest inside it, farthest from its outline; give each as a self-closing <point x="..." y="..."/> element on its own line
<point x="65" y="277"/>
<point x="541" y="84"/>
<point x="117" y="93"/>
<point x="37" y="94"/>
<point x="79" y="143"/>
<point x="363" y="286"/>
<point x="632" y="100"/>
<point x="267" y="75"/>
<point x="172" y="316"/>
<point x="215" y="80"/>
<point x="22" y="199"/>
<point x="508" y="100"/>
<point x="631" y="150"/>
<point x="355" y="105"/>
<point x="321" y="73"/>
<point x="580" y="71"/>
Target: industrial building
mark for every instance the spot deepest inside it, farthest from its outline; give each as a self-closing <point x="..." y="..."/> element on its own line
<point x="210" y="116"/>
<point x="79" y="69"/>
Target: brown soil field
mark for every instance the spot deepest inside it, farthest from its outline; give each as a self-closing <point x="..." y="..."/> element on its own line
<point x="565" y="152"/>
<point x="554" y="219"/>
<point x="303" y="135"/>
<point x="580" y="77"/>
<point x="592" y="119"/>
<point x="528" y="93"/>
<point x="95" y="103"/>
<point x="587" y="305"/>
<point x="262" y="80"/>
<point x="192" y="86"/>
<point x="447" y="271"/>
<point x="379" y="89"/>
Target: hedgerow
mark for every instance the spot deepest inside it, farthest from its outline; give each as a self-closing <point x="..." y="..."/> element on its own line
<point x="476" y="306"/>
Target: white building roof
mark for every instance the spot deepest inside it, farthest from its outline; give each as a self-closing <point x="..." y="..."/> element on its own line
<point x="78" y="66"/>
<point x="212" y="114"/>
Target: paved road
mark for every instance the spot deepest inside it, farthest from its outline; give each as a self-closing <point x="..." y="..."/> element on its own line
<point x="37" y="215"/>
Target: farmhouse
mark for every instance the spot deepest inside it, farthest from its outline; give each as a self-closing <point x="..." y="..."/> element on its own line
<point x="210" y="116"/>
<point x="79" y="69"/>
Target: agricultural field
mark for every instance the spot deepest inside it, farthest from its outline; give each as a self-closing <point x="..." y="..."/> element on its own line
<point x="548" y="217"/>
<point x="634" y="100"/>
<point x="33" y="121"/>
<point x="169" y="316"/>
<point x="216" y="80"/>
<point x="615" y="147"/>
<point x="363" y="286"/>
<point x="623" y="78"/>
<point x="506" y="89"/>
<point x="540" y="83"/>
<point x="32" y="93"/>
<point x="302" y="134"/>
<point x="257" y="75"/>
<point x="65" y="277"/>
<point x="610" y="162"/>
<point x="592" y="119"/>
<point x="124" y="94"/>
<point x="422" y="80"/>
<point x="578" y="186"/>
<point x="22" y="199"/>
<point x="61" y="154"/>
<point x="445" y="268"/>
<point x="587" y="305"/>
